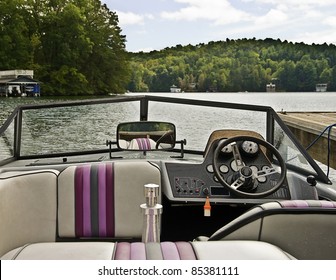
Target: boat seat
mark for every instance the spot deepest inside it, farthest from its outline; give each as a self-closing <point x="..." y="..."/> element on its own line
<point x="28" y="208"/>
<point x="89" y="202"/>
<point x="303" y="228"/>
<point x="142" y="144"/>
<point x="62" y="251"/>
<point x="154" y="251"/>
<point x="181" y="250"/>
<point x="103" y="200"/>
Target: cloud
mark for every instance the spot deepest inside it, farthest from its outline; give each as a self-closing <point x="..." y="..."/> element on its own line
<point x="130" y="18"/>
<point x="331" y="21"/>
<point x="217" y="11"/>
<point x="294" y="3"/>
<point x="273" y="17"/>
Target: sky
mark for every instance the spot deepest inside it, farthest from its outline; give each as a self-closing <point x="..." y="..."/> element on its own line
<point x="158" y="24"/>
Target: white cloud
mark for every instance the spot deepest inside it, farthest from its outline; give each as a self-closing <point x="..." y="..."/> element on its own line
<point x="130" y="18"/>
<point x="331" y="21"/>
<point x="295" y="3"/>
<point x="217" y="11"/>
<point x="273" y="17"/>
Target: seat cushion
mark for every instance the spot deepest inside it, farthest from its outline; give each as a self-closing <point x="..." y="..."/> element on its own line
<point x="63" y="251"/>
<point x="154" y="251"/>
<point x="238" y="250"/>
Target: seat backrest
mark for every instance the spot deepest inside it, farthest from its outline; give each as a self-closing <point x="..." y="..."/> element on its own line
<point x="303" y="228"/>
<point x="103" y="199"/>
<point x="27" y="208"/>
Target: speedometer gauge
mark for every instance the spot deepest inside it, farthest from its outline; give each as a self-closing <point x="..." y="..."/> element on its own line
<point x="250" y="148"/>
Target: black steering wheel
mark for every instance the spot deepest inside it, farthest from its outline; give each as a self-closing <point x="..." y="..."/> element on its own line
<point x="167" y="136"/>
<point x="244" y="182"/>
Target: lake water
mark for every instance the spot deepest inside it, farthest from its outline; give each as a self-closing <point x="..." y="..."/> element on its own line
<point x="207" y="121"/>
<point x="286" y="101"/>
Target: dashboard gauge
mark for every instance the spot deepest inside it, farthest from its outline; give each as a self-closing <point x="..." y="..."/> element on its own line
<point x="234" y="166"/>
<point x="209" y="168"/>
<point x="250" y="148"/>
<point x="226" y="150"/>
<point x="254" y="169"/>
<point x="224" y="168"/>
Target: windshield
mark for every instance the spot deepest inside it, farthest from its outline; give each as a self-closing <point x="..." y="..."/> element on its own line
<point x="86" y="126"/>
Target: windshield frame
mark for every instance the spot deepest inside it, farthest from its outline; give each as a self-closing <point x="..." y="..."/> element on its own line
<point x="144" y="103"/>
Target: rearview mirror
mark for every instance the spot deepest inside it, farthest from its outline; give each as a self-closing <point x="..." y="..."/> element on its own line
<point x="146" y="135"/>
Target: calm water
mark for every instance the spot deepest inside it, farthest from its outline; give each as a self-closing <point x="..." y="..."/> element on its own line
<point x="90" y="127"/>
<point x="287" y="101"/>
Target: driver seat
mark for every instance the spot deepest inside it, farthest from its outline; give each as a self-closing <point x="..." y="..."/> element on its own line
<point x="303" y="228"/>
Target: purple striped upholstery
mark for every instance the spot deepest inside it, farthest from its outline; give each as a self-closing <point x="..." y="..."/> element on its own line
<point x="185" y="250"/>
<point x="144" y="144"/>
<point x="168" y="251"/>
<point x="94" y="200"/>
<point x="130" y="251"/>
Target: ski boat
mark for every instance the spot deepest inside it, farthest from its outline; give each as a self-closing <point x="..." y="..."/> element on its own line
<point x="128" y="178"/>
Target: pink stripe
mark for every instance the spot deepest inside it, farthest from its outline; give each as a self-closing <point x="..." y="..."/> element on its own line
<point x="123" y="251"/>
<point x="294" y="203"/>
<point x="139" y="142"/>
<point x="185" y="250"/>
<point x="148" y="146"/>
<point x="143" y="144"/>
<point x="79" y="201"/>
<point x="138" y="251"/>
<point x="151" y="217"/>
<point x="86" y="201"/>
<point x="102" y="199"/>
<point x="169" y="251"/>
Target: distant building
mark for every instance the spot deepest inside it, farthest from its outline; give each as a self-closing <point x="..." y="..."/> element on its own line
<point x="321" y="87"/>
<point x="175" y="89"/>
<point x="18" y="83"/>
<point x="270" y="87"/>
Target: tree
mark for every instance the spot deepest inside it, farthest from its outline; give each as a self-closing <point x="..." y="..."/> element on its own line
<point x="15" y="45"/>
<point x="74" y="46"/>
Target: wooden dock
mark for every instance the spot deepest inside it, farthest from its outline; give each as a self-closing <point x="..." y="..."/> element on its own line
<point x="306" y="126"/>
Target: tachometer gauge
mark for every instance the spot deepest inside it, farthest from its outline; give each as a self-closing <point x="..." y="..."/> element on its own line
<point x="250" y="148"/>
<point x="227" y="149"/>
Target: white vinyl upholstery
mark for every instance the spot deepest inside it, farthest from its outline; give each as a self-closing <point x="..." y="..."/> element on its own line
<point x="27" y="208"/>
<point x="238" y="250"/>
<point x="63" y="251"/>
<point x="303" y="228"/>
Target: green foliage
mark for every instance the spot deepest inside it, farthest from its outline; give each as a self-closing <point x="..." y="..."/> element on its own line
<point x="235" y="65"/>
<point x="74" y="46"/>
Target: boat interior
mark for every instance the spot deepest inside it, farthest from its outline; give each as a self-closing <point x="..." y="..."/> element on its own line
<point x="140" y="182"/>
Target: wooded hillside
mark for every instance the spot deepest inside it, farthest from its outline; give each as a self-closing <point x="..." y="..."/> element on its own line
<point x="235" y="65"/>
<point x="77" y="47"/>
<point x="73" y="46"/>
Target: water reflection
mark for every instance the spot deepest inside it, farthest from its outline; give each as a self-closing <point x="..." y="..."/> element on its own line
<point x="71" y="129"/>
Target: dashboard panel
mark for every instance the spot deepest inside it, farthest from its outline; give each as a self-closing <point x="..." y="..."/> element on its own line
<point x="199" y="180"/>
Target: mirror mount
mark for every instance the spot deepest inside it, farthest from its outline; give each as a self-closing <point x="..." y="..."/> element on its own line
<point x="182" y="142"/>
<point x="109" y="143"/>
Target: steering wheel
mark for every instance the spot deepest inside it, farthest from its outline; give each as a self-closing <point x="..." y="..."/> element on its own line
<point x="164" y="137"/>
<point x="244" y="182"/>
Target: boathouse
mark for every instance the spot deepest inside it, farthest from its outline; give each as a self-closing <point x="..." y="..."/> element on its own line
<point x="18" y="83"/>
<point x="270" y="87"/>
<point x="175" y="89"/>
